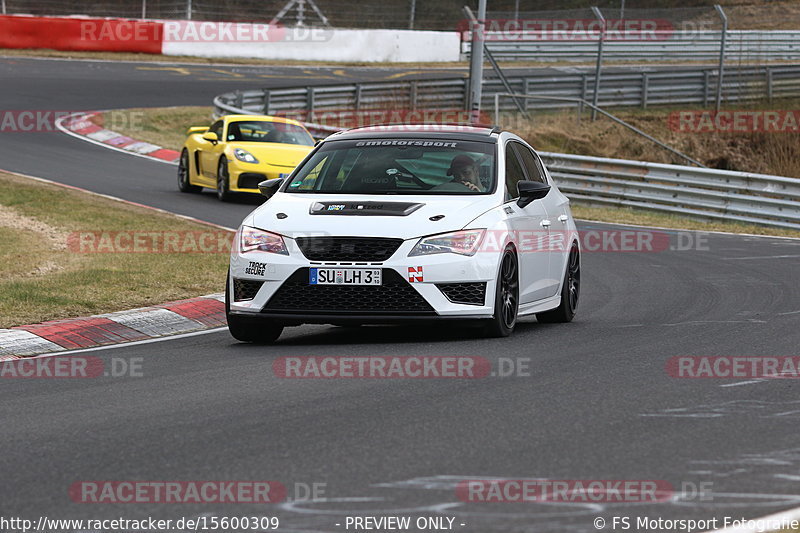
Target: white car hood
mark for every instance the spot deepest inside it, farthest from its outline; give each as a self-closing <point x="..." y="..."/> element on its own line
<point x="340" y="215"/>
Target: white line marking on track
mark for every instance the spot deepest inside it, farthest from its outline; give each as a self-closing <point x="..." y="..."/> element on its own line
<point x="762" y="257"/>
<point x="748" y="382"/>
<point x="783" y="516"/>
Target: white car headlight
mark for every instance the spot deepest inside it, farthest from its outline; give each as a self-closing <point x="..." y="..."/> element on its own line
<point x="244" y="155"/>
<point x="463" y="242"/>
<point x="253" y="239"/>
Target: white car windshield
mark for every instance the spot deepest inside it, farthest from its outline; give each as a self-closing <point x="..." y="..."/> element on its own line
<point x="398" y="166"/>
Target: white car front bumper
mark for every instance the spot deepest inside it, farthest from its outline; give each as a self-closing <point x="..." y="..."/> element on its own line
<point x="265" y="277"/>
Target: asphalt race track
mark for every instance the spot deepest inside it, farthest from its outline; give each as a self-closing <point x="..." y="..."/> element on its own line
<point x="595" y="403"/>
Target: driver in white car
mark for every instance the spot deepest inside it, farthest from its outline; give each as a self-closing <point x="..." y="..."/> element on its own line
<point x="465" y="172"/>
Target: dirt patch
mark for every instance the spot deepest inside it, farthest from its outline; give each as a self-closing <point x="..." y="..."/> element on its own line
<point x="55" y="237"/>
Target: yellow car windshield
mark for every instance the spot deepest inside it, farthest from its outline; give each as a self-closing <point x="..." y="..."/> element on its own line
<point x="268" y="132"/>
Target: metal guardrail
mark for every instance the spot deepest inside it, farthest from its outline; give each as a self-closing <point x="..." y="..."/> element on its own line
<point x="741" y="45"/>
<point x="626" y="87"/>
<point x="698" y="192"/>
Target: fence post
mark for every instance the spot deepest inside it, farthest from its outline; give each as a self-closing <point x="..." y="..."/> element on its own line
<point x="266" y="102"/>
<point x="527" y="90"/>
<point x="144" y="8"/>
<point x="706" y="87"/>
<point x="584" y="86"/>
<point x="769" y="84"/>
<point x="645" y="89"/>
<point x="723" y="38"/>
<point x="310" y="103"/>
<point x="476" y="59"/>
<point x="189" y="9"/>
<point x="411" y="14"/>
<point x="599" y="66"/>
<point x="4" y="7"/>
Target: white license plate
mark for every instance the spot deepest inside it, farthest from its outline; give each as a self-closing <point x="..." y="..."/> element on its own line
<point x="344" y="276"/>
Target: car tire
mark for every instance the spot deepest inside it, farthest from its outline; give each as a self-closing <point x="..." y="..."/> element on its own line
<point x="570" y="292"/>
<point x="506" y="298"/>
<point x="224" y="193"/>
<point x="184" y="185"/>
<point x="244" y="330"/>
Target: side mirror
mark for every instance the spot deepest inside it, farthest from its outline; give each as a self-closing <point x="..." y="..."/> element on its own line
<point x="530" y="191"/>
<point x="269" y="187"/>
<point x="211" y="137"/>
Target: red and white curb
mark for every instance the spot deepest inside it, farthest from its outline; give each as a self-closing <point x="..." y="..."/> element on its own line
<point x="172" y="318"/>
<point x="81" y="125"/>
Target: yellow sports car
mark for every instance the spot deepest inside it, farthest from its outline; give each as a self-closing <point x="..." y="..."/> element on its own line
<point x="238" y="152"/>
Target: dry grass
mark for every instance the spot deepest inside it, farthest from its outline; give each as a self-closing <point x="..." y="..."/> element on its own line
<point x="43" y="279"/>
<point x="767" y="153"/>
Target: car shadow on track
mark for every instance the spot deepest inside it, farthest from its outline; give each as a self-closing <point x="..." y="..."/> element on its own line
<point x="364" y="335"/>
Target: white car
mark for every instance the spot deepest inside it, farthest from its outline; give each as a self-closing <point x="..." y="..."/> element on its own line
<point x="393" y="224"/>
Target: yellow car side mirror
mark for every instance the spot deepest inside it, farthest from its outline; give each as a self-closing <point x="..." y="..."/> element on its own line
<point x="211" y="137"/>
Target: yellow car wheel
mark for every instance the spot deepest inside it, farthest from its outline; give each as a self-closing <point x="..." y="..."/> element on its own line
<point x="223" y="181"/>
<point x="183" y="174"/>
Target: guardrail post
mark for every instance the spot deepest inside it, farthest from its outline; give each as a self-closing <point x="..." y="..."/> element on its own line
<point x="599" y="66"/>
<point x="584" y="86"/>
<point x="706" y="87"/>
<point x="412" y="93"/>
<point x="310" y="103"/>
<point x="723" y="37"/>
<point x="239" y="99"/>
<point x="476" y="59"/>
<point x="358" y="97"/>
<point x="527" y="89"/>
<point x="645" y="88"/>
<point x="769" y="84"/>
<point x="265" y="107"/>
<point x="189" y="9"/>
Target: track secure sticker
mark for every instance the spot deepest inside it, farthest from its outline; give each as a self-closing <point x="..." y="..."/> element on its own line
<point x="256" y="269"/>
<point x="415" y="275"/>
